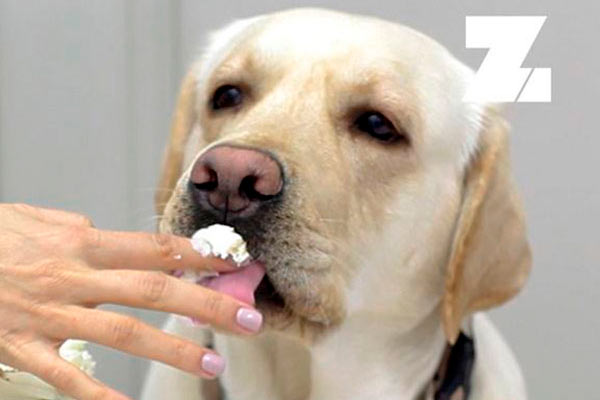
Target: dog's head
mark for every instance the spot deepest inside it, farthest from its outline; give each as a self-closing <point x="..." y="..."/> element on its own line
<point x="340" y="148"/>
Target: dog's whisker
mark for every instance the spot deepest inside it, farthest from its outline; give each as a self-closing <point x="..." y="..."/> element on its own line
<point x="151" y="188"/>
<point x="335" y="220"/>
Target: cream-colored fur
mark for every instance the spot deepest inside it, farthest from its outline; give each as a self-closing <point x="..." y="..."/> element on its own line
<point x="273" y="368"/>
<point x="388" y="250"/>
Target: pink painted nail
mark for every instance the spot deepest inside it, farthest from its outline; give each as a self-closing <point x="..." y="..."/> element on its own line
<point x="249" y="319"/>
<point x="214" y="364"/>
<point x="177" y="273"/>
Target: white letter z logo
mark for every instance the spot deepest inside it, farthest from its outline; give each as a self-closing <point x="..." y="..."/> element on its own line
<point x="500" y="77"/>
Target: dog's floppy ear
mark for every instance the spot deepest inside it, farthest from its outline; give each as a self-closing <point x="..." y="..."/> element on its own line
<point x="490" y="257"/>
<point x="183" y="122"/>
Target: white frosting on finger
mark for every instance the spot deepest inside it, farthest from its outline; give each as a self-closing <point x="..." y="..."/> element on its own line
<point x="221" y="241"/>
<point x="20" y="385"/>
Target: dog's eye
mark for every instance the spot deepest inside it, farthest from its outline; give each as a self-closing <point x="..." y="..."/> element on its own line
<point x="227" y="96"/>
<point x="378" y="126"/>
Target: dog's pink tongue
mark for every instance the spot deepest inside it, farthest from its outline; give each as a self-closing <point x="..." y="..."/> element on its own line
<point x="240" y="284"/>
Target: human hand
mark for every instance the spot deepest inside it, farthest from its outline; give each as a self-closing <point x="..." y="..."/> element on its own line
<point x="55" y="268"/>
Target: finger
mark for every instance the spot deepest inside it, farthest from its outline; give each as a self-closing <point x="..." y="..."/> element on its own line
<point x="132" y="336"/>
<point x="54" y="216"/>
<point x="139" y="250"/>
<point x="64" y="376"/>
<point x="158" y="291"/>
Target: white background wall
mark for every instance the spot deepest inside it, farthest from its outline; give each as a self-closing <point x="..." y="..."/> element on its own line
<point x="87" y="88"/>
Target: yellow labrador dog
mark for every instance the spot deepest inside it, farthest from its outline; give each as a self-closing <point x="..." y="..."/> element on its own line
<point x="380" y="204"/>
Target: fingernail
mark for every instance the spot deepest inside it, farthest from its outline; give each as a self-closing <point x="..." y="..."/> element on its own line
<point x="249" y="319"/>
<point x="214" y="364"/>
<point x="177" y="273"/>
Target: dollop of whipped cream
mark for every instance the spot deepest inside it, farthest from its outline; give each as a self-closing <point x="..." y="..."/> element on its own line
<point x="221" y="241"/>
<point x="19" y="385"/>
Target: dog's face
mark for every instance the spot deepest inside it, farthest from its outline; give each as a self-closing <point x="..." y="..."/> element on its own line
<point x="365" y="122"/>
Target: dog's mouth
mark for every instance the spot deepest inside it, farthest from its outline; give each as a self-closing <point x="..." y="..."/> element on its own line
<point x="267" y="297"/>
<point x="280" y="288"/>
<point x="250" y="284"/>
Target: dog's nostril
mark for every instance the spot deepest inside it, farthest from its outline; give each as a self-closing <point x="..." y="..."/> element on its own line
<point x="207" y="186"/>
<point x="248" y="189"/>
<point x="211" y="181"/>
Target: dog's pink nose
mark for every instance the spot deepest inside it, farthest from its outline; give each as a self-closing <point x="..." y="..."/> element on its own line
<point x="231" y="179"/>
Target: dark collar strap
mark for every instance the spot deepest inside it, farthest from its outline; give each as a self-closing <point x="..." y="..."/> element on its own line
<point x="452" y="380"/>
